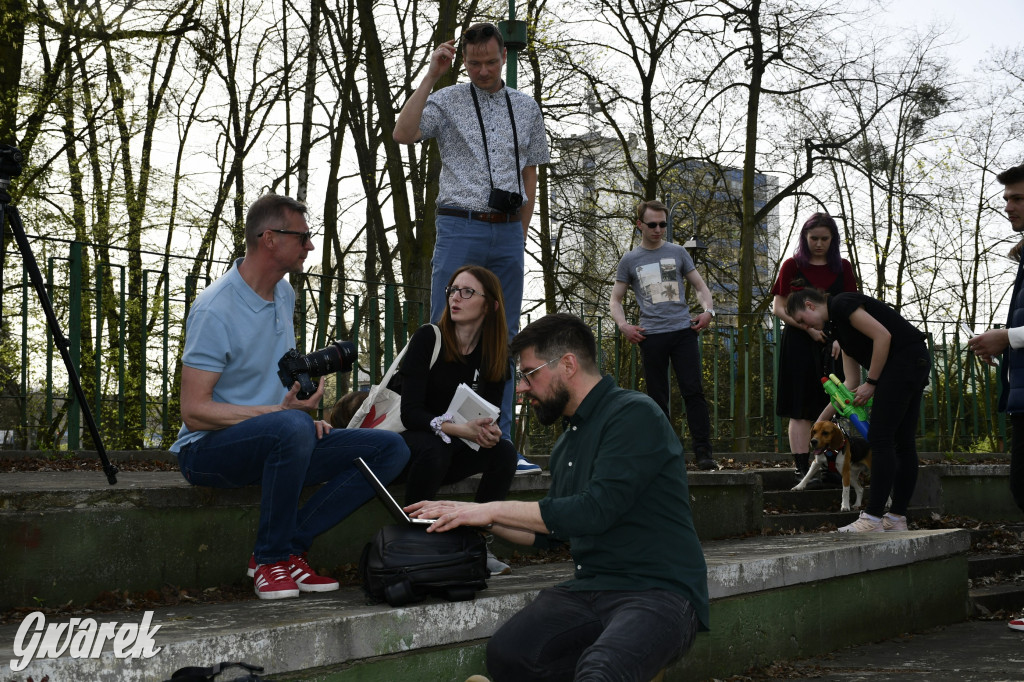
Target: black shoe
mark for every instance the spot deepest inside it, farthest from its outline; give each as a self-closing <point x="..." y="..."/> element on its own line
<point x="707" y="464"/>
<point x="802" y="461"/>
<point x="829" y="480"/>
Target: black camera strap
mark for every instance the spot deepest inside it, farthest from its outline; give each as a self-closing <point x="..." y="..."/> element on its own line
<point x="483" y="134"/>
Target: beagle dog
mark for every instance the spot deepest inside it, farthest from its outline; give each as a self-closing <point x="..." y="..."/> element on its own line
<point x="853" y="457"/>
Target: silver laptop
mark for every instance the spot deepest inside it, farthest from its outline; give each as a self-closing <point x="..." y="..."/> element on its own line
<point x="384" y="496"/>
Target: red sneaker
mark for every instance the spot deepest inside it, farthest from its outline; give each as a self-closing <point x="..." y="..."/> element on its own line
<point x="1016" y="624"/>
<point x="307" y="579"/>
<point x="273" y="581"/>
<point x="251" y="571"/>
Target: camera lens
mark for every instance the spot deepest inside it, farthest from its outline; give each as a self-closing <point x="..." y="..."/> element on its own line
<point x="336" y="357"/>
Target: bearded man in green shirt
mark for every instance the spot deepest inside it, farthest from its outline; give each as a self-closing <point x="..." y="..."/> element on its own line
<point x="619" y="497"/>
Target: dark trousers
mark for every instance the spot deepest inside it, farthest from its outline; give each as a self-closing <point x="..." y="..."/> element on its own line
<point x="894" y="416"/>
<point x="1017" y="459"/>
<point x="433" y="463"/>
<point x="679" y="348"/>
<point x="617" y="636"/>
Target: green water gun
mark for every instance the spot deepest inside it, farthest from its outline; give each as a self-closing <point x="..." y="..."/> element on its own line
<point x="842" y="400"/>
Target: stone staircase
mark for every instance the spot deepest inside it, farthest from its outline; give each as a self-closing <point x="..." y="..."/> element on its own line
<point x="995" y="576"/>
<point x="68" y="535"/>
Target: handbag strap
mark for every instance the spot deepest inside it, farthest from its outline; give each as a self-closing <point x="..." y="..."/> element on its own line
<point x="401" y="354"/>
<point x="437" y="344"/>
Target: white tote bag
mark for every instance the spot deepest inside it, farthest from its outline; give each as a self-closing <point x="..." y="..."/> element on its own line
<point x="383" y="408"/>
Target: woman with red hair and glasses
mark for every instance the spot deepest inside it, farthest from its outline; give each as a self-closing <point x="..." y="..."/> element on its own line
<point x="474" y="351"/>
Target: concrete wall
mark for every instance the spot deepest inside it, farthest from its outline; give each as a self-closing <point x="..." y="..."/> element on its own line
<point x="811" y="619"/>
<point x="979" y="491"/>
<point x="150" y="530"/>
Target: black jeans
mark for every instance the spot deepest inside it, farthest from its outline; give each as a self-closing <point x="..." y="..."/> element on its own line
<point x="433" y="463"/>
<point x="1017" y="459"/>
<point x="894" y="415"/>
<point x="679" y="347"/>
<point x="613" y="636"/>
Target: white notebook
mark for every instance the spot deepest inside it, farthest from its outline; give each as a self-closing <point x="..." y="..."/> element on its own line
<point x="467" y="405"/>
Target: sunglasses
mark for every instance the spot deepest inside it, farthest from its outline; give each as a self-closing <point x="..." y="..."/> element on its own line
<point x="653" y="225"/>
<point x="304" y="237"/>
<point x="485" y="31"/>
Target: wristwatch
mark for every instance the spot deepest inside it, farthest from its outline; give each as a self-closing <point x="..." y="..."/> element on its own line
<point x="712" y="311"/>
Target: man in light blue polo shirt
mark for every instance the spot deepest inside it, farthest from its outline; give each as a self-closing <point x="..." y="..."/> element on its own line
<point x="242" y="427"/>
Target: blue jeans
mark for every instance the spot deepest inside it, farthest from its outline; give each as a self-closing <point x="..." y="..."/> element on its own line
<point x="613" y="636"/>
<point x="499" y="248"/>
<point x="281" y="452"/>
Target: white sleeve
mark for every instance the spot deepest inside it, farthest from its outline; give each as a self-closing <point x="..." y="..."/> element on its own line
<point x="1016" y="335"/>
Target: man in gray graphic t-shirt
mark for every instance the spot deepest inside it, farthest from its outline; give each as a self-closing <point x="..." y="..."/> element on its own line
<point x="656" y="271"/>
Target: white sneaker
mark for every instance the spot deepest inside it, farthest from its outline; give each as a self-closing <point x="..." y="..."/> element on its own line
<point x="865" y="524"/>
<point x="1016" y="624"/>
<point x="496" y="566"/>
<point x="525" y="467"/>
<point x="894" y="522"/>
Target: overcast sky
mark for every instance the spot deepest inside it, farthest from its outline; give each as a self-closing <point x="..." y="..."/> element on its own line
<point x="978" y="25"/>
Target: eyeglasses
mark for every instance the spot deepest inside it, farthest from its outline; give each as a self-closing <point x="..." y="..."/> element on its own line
<point x="464" y="292"/>
<point x="304" y="237"/>
<point x="525" y="376"/>
<point x="653" y="225"/>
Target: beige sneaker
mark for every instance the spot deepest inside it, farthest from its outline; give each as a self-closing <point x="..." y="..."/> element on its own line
<point x="865" y="524"/>
<point x="894" y="522"/>
<point x="477" y="678"/>
<point x="496" y="566"/>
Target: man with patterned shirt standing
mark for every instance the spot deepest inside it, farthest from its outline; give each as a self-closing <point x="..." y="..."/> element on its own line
<point x="491" y="139"/>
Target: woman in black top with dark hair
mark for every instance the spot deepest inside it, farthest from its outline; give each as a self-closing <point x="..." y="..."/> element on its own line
<point x="873" y="335"/>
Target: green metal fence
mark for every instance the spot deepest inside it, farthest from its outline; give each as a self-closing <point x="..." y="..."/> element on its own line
<point x="133" y="394"/>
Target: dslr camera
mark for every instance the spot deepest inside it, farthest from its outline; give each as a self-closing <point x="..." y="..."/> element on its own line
<point x="10" y="161"/>
<point x="505" y="202"/>
<point x="292" y="367"/>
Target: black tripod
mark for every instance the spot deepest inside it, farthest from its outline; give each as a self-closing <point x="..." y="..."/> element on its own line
<point x="10" y="166"/>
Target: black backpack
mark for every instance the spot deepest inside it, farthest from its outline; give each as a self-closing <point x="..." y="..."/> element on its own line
<point x="200" y="674"/>
<point x="403" y="564"/>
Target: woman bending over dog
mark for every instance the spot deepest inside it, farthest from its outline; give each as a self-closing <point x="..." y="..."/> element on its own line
<point x="873" y="335"/>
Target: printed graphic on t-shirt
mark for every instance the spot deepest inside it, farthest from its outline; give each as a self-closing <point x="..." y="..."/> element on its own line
<point x="658" y="281"/>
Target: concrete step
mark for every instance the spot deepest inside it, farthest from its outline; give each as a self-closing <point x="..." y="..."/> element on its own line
<point x="825" y="520"/>
<point x="153" y="528"/>
<point x="828" y="499"/>
<point x="987" y="565"/>
<point x="804" y="583"/>
<point x="1005" y="597"/>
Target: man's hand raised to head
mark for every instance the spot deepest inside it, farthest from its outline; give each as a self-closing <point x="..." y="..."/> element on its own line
<point x="441" y="60"/>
